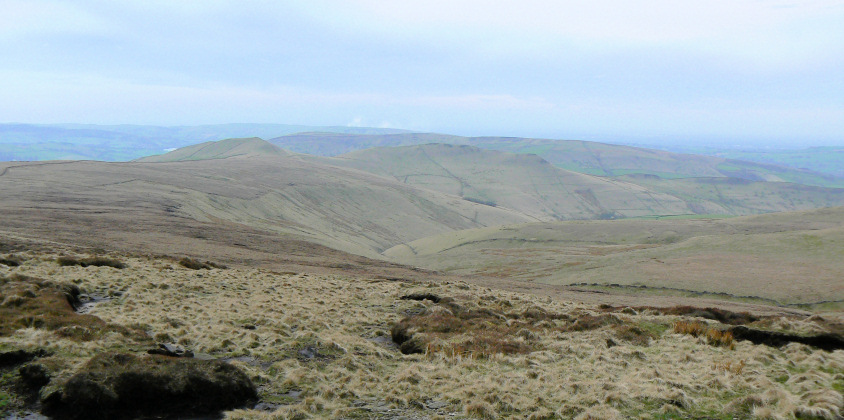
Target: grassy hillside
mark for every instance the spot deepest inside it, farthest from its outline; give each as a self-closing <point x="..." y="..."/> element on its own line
<point x="525" y="183"/>
<point x="738" y="196"/>
<point x="616" y="160"/>
<point x="580" y="156"/>
<point x="789" y="258"/>
<point x="339" y="208"/>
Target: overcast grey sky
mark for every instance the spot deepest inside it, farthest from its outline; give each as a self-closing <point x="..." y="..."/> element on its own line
<point x="756" y="71"/>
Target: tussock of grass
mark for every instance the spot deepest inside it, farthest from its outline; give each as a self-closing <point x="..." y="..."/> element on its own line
<point x="29" y="302"/>
<point x="730" y="366"/>
<point x="565" y="373"/>
<point x="713" y="336"/>
<point x="92" y="262"/>
<point x="194" y="264"/>
<point x="458" y="331"/>
<point x="634" y="334"/>
<point x="592" y="322"/>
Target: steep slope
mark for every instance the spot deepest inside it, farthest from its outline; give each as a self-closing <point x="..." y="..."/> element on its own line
<point x="525" y="183"/>
<point x="343" y="209"/>
<point x="792" y="258"/>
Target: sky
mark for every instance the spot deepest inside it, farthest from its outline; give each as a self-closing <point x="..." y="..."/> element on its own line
<point x="720" y="71"/>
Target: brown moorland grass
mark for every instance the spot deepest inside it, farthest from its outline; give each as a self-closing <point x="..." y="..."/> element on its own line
<point x="752" y="259"/>
<point x="91" y="261"/>
<point x="317" y="346"/>
<point x="714" y="336"/>
<point x="29" y="302"/>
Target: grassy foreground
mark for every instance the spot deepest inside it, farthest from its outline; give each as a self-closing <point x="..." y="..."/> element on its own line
<point x="319" y="346"/>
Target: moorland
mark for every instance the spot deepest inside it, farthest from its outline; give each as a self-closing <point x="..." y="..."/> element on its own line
<point x="427" y="279"/>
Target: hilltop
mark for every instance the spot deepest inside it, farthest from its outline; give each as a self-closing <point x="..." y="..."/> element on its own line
<point x="222" y="149"/>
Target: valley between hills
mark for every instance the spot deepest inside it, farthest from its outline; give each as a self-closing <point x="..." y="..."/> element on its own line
<point x="431" y="277"/>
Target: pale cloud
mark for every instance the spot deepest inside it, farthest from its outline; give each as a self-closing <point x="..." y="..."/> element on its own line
<point x="767" y="32"/>
<point x="527" y="67"/>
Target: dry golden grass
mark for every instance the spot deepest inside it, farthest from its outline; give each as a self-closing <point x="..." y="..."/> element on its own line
<point x="326" y="337"/>
<point x="713" y="336"/>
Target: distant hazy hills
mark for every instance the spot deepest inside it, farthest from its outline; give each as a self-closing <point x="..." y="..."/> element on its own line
<point x="816" y="166"/>
<point x="580" y="156"/>
<point x="127" y="142"/>
<point x="454" y="208"/>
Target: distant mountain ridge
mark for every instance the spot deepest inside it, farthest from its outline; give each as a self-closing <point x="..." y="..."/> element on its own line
<point x="586" y="157"/>
<point x="528" y="185"/>
<point x="30" y="142"/>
